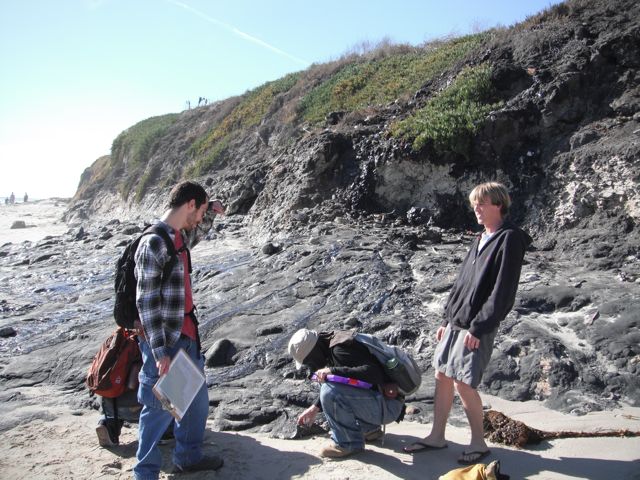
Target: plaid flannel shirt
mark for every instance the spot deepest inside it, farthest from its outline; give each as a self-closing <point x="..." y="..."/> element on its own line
<point x="160" y="304"/>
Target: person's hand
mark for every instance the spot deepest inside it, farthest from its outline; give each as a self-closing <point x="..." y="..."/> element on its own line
<point x="471" y="342"/>
<point x="322" y="374"/>
<point x="137" y="328"/>
<point x="308" y="416"/>
<point x="440" y="333"/>
<point x="216" y="207"/>
<point x="163" y="365"/>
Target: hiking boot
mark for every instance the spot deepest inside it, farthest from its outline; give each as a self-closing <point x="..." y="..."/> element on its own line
<point x="106" y="437"/>
<point x="208" y="462"/>
<point x="332" y="450"/>
<point x="373" y="435"/>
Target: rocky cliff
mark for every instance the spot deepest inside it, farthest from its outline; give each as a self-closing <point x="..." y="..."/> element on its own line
<point x="560" y="129"/>
<point x="353" y="176"/>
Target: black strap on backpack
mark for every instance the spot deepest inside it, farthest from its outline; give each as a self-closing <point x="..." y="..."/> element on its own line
<point x="194" y="319"/>
<point x="171" y="249"/>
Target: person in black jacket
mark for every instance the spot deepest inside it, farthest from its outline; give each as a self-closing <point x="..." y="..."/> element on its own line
<point x="481" y="297"/>
<point x="354" y="414"/>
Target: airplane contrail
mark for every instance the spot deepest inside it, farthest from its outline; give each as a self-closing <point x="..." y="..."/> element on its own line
<point x="239" y="33"/>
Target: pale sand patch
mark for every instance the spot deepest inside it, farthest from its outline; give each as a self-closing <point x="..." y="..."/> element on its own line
<point x="66" y="447"/>
<point x="42" y="217"/>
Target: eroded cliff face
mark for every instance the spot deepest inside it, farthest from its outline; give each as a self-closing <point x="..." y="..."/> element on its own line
<point x="565" y="141"/>
<point x="368" y="232"/>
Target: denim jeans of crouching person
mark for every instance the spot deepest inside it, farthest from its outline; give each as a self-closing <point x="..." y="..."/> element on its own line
<point x="351" y="412"/>
<point x="154" y="420"/>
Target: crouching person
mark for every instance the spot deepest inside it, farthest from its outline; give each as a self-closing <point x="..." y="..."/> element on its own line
<point x="354" y="414"/>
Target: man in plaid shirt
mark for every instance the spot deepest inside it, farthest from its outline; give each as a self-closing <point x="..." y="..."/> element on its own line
<point x="165" y="306"/>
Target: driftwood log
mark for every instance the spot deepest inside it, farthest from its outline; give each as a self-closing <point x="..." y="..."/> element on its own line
<point x="499" y="428"/>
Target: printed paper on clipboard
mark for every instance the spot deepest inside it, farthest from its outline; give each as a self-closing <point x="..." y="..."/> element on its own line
<point x="177" y="389"/>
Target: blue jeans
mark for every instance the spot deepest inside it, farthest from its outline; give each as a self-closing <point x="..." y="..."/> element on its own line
<point x="351" y="412"/>
<point x="154" y="420"/>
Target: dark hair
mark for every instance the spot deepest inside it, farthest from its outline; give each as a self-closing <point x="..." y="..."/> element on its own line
<point x="186" y="191"/>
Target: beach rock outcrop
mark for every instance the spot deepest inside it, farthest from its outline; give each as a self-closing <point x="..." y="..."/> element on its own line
<point x="18" y="224"/>
<point x="338" y="222"/>
<point x="7" y="332"/>
<point x="220" y="354"/>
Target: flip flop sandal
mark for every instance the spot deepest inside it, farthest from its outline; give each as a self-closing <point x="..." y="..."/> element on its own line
<point x="421" y="447"/>
<point x="475" y="457"/>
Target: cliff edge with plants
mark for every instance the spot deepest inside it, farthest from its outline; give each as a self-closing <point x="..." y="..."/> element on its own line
<point x="549" y="106"/>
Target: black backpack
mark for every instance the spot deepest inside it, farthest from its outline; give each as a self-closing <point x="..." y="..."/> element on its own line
<point x="125" y="310"/>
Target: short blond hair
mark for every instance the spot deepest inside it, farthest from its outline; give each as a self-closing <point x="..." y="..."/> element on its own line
<point x="494" y="192"/>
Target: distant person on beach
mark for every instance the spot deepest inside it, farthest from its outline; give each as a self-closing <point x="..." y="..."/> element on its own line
<point x="168" y="324"/>
<point x="355" y="415"/>
<point x="26" y="197"/>
<point x="481" y="297"/>
<point x="12" y="198"/>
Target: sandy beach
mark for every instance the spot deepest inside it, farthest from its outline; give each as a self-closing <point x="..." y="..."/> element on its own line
<point x="41" y="217"/>
<point x="60" y="443"/>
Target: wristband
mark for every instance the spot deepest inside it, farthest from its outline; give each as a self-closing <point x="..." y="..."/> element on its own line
<point x="345" y="380"/>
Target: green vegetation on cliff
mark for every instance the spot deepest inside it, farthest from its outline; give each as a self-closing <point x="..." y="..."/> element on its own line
<point x="208" y="159"/>
<point x="135" y="143"/>
<point x="376" y="78"/>
<point x="360" y="84"/>
<point x="451" y="118"/>
<point x="354" y="83"/>
<point x="250" y="112"/>
<point x="133" y="148"/>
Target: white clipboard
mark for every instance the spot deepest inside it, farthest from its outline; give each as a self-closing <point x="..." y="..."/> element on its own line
<point x="177" y="389"/>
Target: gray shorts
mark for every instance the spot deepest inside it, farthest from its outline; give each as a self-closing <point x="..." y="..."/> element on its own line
<point x="456" y="361"/>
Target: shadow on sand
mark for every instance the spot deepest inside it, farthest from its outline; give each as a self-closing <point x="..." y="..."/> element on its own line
<point x="246" y="457"/>
<point x="518" y="464"/>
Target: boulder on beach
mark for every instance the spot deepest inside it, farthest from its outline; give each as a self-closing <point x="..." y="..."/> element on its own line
<point x="18" y="224"/>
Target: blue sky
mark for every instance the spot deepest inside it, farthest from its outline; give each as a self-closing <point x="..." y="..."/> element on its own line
<point x="75" y="73"/>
